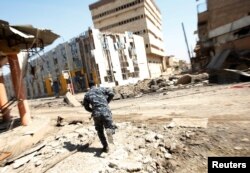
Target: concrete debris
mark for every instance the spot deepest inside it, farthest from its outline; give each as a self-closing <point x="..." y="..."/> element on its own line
<point x="113" y="164"/>
<point x="238" y="148"/>
<point x="119" y="154"/>
<point x="138" y="149"/>
<point x="200" y="77"/>
<point x="131" y="166"/>
<point x="191" y="122"/>
<point x="205" y="82"/>
<point x="158" y="136"/>
<point x="23" y="160"/>
<point x="28" y="133"/>
<point x="168" y="156"/>
<point x="245" y="140"/>
<point x="173" y="147"/>
<point x="189" y="134"/>
<point x="159" y="84"/>
<point x="70" y="99"/>
<point x="30" y="151"/>
<point x="154" y="88"/>
<point x="150" y="137"/>
<point x="186" y="79"/>
<point x="171" y="125"/>
<point x="139" y="95"/>
<point x="50" y="152"/>
<point x="38" y="163"/>
<point x="62" y="121"/>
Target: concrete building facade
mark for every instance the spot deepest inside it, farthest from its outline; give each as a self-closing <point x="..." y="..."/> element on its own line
<point x="224" y="33"/>
<point x="141" y="17"/>
<point x="108" y="59"/>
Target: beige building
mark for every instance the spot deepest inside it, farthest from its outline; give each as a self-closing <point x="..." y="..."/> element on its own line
<point x="141" y="17"/>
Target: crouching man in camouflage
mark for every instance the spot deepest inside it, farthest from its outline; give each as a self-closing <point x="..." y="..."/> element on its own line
<point x="96" y="101"/>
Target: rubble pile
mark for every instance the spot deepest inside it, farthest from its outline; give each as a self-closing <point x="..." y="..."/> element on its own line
<point x="167" y="148"/>
<point x="153" y="150"/>
<point x="128" y="91"/>
<point x="46" y="154"/>
<point x="139" y="148"/>
<point x="160" y="84"/>
<point x="51" y="104"/>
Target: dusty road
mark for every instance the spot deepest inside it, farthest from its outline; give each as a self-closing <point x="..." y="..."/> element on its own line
<point x="172" y="131"/>
<point x="218" y="103"/>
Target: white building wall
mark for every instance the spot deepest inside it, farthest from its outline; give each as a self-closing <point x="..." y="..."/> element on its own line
<point x="141" y="57"/>
<point x="101" y="59"/>
<point x="115" y="62"/>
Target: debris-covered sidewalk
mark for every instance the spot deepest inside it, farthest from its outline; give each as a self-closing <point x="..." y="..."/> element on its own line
<point x="166" y="147"/>
<point x="157" y="132"/>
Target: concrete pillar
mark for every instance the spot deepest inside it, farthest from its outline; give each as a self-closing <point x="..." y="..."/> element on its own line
<point x="18" y="84"/>
<point x="4" y="100"/>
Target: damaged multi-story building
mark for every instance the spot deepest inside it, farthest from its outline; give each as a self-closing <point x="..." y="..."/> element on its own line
<point x="224" y="35"/>
<point x="107" y="58"/>
<point x="142" y="17"/>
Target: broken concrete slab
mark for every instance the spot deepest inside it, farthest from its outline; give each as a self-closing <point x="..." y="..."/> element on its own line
<point x="16" y="143"/>
<point x="70" y="99"/>
<point x="200" y="77"/>
<point x="131" y="166"/>
<point x="30" y="151"/>
<point x="154" y="88"/>
<point x="62" y="121"/>
<point x="119" y="154"/>
<point x="244" y="140"/>
<point x="171" y="125"/>
<point x="190" y="122"/>
<point x="186" y="79"/>
<point x="23" y="160"/>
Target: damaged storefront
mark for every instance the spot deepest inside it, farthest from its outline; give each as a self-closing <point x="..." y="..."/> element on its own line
<point x="223" y="48"/>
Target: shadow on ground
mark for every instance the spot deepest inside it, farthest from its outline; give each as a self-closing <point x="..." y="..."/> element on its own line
<point x="83" y="148"/>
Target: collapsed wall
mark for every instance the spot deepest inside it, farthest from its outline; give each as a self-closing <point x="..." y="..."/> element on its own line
<point x="159" y="85"/>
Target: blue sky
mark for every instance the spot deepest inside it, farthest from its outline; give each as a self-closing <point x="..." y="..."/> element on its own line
<point x="69" y="18"/>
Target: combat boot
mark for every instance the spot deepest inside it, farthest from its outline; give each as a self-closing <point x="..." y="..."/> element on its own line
<point x="110" y="133"/>
<point x="105" y="149"/>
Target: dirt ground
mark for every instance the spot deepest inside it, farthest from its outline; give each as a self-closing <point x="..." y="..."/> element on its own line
<point x="170" y="131"/>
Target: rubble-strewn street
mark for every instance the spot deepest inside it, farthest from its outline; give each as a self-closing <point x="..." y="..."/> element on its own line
<point x="163" y="131"/>
<point x="118" y="86"/>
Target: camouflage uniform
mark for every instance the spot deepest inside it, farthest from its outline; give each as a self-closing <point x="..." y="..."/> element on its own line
<point x="99" y="99"/>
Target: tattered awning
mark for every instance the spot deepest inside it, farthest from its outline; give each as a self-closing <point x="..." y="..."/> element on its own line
<point x="14" y="38"/>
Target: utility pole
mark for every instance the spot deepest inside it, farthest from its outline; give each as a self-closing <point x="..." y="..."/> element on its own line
<point x="186" y="41"/>
<point x="71" y="85"/>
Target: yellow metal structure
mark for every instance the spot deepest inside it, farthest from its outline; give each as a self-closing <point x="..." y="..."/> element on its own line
<point x="48" y="87"/>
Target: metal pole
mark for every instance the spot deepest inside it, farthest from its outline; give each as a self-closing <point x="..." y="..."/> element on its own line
<point x="18" y="84"/>
<point x="186" y="41"/>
